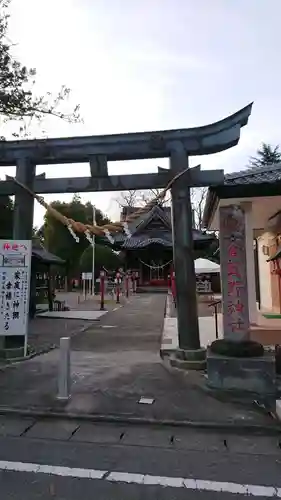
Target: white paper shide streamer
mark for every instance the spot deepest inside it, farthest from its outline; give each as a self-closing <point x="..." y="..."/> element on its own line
<point x="89" y="238"/>
<point x="126" y="229"/>
<point x="108" y="236"/>
<point x="73" y="234"/>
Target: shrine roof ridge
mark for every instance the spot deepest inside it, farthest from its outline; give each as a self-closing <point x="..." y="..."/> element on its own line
<point x="143" y="240"/>
<point x="141" y="237"/>
<point x="266" y="173"/>
<point x="206" y="139"/>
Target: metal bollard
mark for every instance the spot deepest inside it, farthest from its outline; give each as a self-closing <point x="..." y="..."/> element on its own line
<point x="64" y="370"/>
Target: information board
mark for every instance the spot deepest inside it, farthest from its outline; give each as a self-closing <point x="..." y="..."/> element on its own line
<point x="15" y="273"/>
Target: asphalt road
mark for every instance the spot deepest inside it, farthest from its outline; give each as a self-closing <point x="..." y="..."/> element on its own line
<point x="72" y="460"/>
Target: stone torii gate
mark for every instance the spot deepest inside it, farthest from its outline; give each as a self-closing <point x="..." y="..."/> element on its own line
<point x="177" y="145"/>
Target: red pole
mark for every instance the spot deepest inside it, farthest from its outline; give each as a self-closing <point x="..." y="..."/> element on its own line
<point x="127" y="285"/>
<point x="133" y="281"/>
<point x="118" y="288"/>
<point x="102" y="280"/>
<point x="173" y="286"/>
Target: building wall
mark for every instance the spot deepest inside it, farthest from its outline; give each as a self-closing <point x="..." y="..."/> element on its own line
<point x="275" y="278"/>
<point x="264" y="242"/>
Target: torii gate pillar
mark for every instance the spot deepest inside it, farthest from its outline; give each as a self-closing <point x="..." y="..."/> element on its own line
<point x="24" y="202"/>
<point x="188" y="329"/>
<point x="204" y="140"/>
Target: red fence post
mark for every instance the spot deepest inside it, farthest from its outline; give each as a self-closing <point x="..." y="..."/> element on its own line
<point x="127" y="284"/>
<point x="133" y="281"/>
<point x="102" y="286"/>
<point x="118" y="280"/>
<point x="173" y="286"/>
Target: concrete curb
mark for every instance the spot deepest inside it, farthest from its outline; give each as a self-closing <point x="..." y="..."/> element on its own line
<point x="40" y="352"/>
<point x="166" y="343"/>
<point x="16" y="361"/>
<point x="231" y="426"/>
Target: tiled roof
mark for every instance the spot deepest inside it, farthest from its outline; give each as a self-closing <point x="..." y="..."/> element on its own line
<point x="142" y="221"/>
<point x="142" y="237"/>
<point x="165" y="239"/>
<point x="40" y="252"/>
<point x="143" y="241"/>
<point x="255" y="175"/>
<point x="269" y="174"/>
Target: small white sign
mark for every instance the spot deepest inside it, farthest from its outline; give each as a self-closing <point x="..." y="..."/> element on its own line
<point x="15" y="272"/>
<point x="203" y="286"/>
<point x="146" y="401"/>
<point x="87" y="276"/>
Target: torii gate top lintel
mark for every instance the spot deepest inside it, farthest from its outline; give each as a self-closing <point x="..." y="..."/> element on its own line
<point x="203" y="140"/>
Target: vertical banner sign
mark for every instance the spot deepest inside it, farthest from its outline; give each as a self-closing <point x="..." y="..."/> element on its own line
<point x="15" y="273"/>
<point x="234" y="273"/>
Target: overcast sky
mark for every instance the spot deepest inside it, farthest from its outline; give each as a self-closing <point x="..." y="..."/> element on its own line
<point x="137" y="65"/>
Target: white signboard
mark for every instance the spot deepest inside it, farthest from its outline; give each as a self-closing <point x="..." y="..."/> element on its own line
<point x="86" y="276"/>
<point x="15" y="270"/>
<point x="203" y="286"/>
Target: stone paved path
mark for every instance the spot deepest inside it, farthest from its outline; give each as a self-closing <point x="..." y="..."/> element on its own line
<point x="136" y="326"/>
<point x="46" y="332"/>
<point x="115" y="363"/>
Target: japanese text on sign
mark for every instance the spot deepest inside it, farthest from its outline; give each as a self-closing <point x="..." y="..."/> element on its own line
<point x="234" y="275"/>
<point x="15" y="265"/>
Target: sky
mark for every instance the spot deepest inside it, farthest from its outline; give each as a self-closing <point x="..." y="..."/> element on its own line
<point x="153" y="65"/>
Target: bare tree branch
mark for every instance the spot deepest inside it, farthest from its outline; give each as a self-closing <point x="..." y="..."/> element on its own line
<point x="127" y="199"/>
<point x="133" y="199"/>
<point x="198" y="198"/>
<point x="18" y="99"/>
<point x="140" y="198"/>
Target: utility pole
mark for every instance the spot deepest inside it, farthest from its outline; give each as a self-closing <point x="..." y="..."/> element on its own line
<point x="93" y="245"/>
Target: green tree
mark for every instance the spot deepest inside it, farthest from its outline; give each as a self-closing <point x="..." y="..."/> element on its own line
<point x="266" y="155"/>
<point x="104" y="257"/>
<point x="6" y="219"/>
<point x="18" y="99"/>
<point x="57" y="238"/>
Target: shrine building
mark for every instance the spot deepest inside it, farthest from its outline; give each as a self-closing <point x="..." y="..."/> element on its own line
<point x="149" y="250"/>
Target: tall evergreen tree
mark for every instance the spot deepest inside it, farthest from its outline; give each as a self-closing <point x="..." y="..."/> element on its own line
<point x="266" y="155"/>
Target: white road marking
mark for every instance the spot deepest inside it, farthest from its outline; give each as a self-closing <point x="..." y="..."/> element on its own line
<point x="253" y="490"/>
<point x="52" y="469"/>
